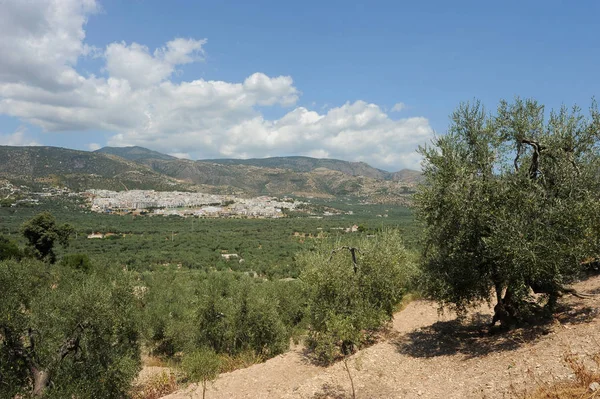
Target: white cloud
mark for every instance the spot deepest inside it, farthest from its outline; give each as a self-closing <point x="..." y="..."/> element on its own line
<point x="94" y="146"/>
<point x="41" y="40"/>
<point x="140" y="69"/>
<point x="135" y="99"/>
<point x="180" y="155"/>
<point x="398" y="107"/>
<point x="17" y="138"/>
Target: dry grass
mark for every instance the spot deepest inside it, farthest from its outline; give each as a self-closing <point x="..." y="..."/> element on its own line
<point x="153" y="361"/>
<point x="240" y="361"/>
<point x="585" y="375"/>
<point x="406" y="300"/>
<point x="155" y="386"/>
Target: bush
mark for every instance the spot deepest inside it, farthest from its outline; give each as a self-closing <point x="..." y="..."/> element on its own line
<point x="9" y="249"/>
<point x="202" y="365"/>
<point x="349" y="302"/>
<point x="77" y="262"/>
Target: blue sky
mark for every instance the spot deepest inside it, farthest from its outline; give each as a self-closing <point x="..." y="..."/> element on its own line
<point x="329" y="72"/>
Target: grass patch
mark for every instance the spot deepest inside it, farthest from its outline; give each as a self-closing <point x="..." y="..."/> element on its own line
<point x="155" y="386"/>
<point x="586" y="384"/>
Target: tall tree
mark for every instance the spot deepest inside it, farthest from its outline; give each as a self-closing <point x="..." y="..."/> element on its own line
<point x="42" y="232"/>
<point x="510" y="205"/>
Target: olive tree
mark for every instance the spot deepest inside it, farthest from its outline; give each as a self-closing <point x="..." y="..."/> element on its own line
<point x="65" y="333"/>
<point x="203" y="366"/>
<point x="510" y="205"/>
<point x="352" y="290"/>
<point x="42" y="232"/>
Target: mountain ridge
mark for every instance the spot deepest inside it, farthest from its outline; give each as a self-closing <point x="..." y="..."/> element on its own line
<point x="297" y="163"/>
<point x="140" y="168"/>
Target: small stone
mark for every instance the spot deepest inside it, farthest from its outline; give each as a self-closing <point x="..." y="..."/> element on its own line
<point x="594" y="386"/>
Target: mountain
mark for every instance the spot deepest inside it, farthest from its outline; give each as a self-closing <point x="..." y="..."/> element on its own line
<point x="307" y="164"/>
<point x="139" y="168"/>
<point x="134" y="153"/>
<point x="257" y="180"/>
<point x="78" y="170"/>
<point x="407" y="176"/>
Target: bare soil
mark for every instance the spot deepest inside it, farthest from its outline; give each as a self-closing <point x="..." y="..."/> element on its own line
<point x="432" y="355"/>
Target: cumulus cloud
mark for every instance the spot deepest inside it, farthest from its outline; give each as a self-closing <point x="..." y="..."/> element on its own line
<point x="41" y="40"/>
<point x="398" y="107"/>
<point x="135" y="64"/>
<point x="134" y="97"/>
<point x="17" y="138"/>
<point x="94" y="146"/>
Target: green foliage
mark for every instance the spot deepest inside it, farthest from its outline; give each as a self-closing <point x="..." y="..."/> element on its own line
<point x="509" y="203"/>
<point x="6" y="202"/>
<point x="346" y="306"/>
<point x="188" y="296"/>
<point x="77" y="261"/>
<point x="229" y="313"/>
<point x="267" y="246"/>
<point x="42" y="232"/>
<point x="72" y="334"/>
<point x="9" y="249"/>
<point x="201" y="365"/>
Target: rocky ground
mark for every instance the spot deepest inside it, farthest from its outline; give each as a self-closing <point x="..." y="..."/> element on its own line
<point x="432" y="355"/>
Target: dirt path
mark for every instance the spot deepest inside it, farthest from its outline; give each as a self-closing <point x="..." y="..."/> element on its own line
<point x="431" y="356"/>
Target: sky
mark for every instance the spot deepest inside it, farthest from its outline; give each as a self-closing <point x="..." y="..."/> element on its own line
<point x="355" y="80"/>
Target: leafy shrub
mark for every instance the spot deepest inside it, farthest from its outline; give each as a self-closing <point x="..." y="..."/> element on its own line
<point x="230" y="313"/>
<point x="77" y="262"/>
<point x="348" y="302"/>
<point x="9" y="249"/>
<point x="202" y="365"/>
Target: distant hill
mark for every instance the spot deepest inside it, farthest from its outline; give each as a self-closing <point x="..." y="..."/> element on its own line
<point x="139" y="168"/>
<point x="134" y="153"/>
<point x="407" y="176"/>
<point x="78" y="170"/>
<point x="307" y="164"/>
<point x="258" y="180"/>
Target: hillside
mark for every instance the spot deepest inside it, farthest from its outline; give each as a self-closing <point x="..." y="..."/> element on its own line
<point x="134" y="153"/>
<point x="136" y="167"/>
<point x="407" y="176"/>
<point x="254" y="180"/>
<point x="307" y="164"/>
<point x="299" y="176"/>
<point x="78" y="170"/>
<point x="293" y="163"/>
<point x="429" y="355"/>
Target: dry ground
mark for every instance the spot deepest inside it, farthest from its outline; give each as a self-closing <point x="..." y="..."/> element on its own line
<point x="431" y="355"/>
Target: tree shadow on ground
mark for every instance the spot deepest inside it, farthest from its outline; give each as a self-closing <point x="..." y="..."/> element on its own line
<point x="473" y="337"/>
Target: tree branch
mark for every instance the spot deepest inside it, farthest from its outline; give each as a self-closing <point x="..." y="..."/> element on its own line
<point x="352" y="250"/>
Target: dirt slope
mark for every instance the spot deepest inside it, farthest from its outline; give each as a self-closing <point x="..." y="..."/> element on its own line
<point x="431" y="356"/>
